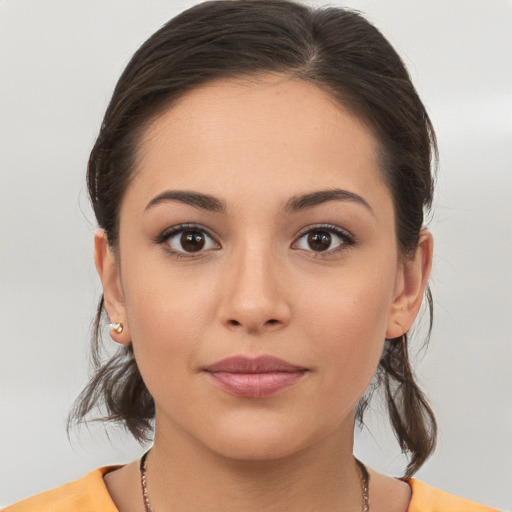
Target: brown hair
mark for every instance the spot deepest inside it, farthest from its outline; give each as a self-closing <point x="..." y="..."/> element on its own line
<point x="339" y="51"/>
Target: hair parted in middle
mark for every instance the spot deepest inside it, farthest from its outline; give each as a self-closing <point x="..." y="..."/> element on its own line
<point x="337" y="50"/>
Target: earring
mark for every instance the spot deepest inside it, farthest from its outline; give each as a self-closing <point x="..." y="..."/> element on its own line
<point x="117" y="327"/>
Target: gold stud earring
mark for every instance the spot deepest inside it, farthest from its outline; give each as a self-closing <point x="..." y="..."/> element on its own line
<point x="117" y="327"/>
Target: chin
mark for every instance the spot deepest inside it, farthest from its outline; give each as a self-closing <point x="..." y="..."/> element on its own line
<point x="264" y="440"/>
<point x="259" y="448"/>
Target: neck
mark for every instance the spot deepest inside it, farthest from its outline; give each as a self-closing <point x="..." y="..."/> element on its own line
<point x="184" y="475"/>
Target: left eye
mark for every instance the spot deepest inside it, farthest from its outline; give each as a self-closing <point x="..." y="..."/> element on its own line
<point x="190" y="240"/>
<point x="322" y="240"/>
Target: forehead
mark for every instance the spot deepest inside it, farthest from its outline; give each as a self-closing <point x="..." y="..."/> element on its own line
<point x="256" y="132"/>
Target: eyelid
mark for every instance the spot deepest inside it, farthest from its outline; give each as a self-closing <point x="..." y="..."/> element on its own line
<point x="348" y="238"/>
<point x="326" y="227"/>
<point x="169" y="232"/>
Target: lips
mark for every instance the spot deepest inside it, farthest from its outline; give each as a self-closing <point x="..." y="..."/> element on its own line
<point x="254" y="377"/>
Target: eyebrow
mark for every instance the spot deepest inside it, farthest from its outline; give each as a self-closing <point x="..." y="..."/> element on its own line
<point x="293" y="205"/>
<point x="305" y="201"/>
<point x="196" y="199"/>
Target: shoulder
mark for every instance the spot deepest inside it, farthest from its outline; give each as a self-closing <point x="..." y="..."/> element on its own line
<point x="428" y="499"/>
<point x="83" y="495"/>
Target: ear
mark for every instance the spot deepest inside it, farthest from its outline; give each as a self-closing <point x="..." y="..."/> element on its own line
<point x="108" y="271"/>
<point x="412" y="279"/>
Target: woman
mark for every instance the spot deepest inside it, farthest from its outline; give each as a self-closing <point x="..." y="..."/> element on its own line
<point x="259" y="182"/>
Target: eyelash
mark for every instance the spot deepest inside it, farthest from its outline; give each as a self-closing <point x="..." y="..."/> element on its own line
<point x="167" y="234"/>
<point x="347" y="239"/>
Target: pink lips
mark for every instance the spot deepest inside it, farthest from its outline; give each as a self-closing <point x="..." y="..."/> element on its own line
<point x="254" y="378"/>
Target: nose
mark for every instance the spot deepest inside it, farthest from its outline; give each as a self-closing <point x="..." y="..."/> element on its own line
<point x="254" y="300"/>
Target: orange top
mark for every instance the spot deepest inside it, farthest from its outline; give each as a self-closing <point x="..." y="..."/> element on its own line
<point x="428" y="499"/>
<point x="90" y="494"/>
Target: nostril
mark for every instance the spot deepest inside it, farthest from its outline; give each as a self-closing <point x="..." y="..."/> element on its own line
<point x="236" y="323"/>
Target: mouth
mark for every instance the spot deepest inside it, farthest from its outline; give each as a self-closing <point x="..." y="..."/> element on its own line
<point x="254" y="377"/>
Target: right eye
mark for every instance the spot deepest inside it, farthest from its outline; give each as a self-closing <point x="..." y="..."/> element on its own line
<point x="187" y="240"/>
<point x="324" y="240"/>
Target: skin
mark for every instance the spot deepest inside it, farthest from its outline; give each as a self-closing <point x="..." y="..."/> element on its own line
<point x="258" y="287"/>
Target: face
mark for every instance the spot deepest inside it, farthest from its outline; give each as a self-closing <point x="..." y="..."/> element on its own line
<point x="258" y="226"/>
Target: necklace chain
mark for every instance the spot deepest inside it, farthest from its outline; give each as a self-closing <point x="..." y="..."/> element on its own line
<point x="365" y="480"/>
<point x="145" y="496"/>
<point x="365" y="487"/>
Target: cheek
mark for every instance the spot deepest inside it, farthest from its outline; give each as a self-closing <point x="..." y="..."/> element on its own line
<point x="162" y="296"/>
<point x="168" y="316"/>
<point x="348" y="326"/>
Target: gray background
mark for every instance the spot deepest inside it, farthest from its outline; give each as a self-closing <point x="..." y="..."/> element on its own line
<point x="59" y="63"/>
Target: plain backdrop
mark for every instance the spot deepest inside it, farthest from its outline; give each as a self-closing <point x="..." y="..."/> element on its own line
<point x="59" y="61"/>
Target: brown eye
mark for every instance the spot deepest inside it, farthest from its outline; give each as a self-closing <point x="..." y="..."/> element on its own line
<point x="187" y="240"/>
<point x="319" y="240"/>
<point x="192" y="241"/>
<point x="324" y="239"/>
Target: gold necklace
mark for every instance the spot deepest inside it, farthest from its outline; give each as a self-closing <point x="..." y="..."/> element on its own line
<point x="365" y="480"/>
<point x="365" y="487"/>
